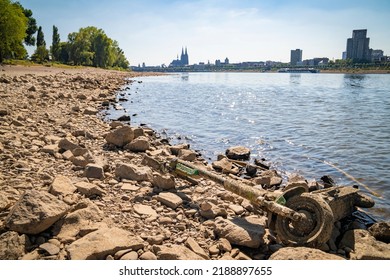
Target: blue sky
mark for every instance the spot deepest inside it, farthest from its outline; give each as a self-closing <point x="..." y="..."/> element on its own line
<point x="154" y="31"/>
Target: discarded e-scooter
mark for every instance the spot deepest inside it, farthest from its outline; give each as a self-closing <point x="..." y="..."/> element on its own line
<point x="299" y="217"/>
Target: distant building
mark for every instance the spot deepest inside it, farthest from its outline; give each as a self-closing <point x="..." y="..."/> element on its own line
<point x="317" y="61"/>
<point x="226" y="61"/>
<point x="358" y="46"/>
<point x="296" y="57"/>
<point x="376" y="55"/>
<point x="344" y="56"/>
<point x="183" y="61"/>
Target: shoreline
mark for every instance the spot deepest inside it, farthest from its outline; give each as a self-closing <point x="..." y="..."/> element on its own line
<point x="55" y="146"/>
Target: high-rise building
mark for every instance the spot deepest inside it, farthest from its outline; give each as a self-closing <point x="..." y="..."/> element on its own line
<point x="296" y="57"/>
<point x="358" y="46"/>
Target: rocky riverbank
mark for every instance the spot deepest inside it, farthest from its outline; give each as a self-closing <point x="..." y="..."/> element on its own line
<point x="75" y="187"/>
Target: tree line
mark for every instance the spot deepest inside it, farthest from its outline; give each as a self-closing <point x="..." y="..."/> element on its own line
<point x="89" y="46"/>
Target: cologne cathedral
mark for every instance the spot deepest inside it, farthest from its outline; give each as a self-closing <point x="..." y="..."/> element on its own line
<point x="183" y="61"/>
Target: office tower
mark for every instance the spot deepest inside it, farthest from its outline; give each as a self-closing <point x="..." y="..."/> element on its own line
<point x="358" y="46"/>
<point x="296" y="57"/>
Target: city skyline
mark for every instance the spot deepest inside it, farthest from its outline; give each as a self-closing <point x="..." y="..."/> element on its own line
<point x="248" y="30"/>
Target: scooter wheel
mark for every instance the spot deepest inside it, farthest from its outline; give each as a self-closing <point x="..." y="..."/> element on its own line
<point x="313" y="230"/>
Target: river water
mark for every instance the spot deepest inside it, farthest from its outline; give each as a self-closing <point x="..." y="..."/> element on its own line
<point x="310" y="124"/>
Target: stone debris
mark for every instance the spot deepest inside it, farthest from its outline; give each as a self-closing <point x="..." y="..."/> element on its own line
<point x="35" y="212"/>
<point x="73" y="186"/>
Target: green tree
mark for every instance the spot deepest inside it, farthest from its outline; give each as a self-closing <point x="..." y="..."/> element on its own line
<point x="55" y="47"/>
<point x="40" y="37"/>
<point x="41" y="54"/>
<point x="13" y="26"/>
<point x="32" y="28"/>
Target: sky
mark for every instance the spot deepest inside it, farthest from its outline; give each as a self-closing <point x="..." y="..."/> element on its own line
<point x="154" y="32"/>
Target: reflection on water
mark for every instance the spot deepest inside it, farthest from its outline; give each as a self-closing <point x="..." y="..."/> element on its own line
<point x="184" y="76"/>
<point x="295" y="78"/>
<point x="354" y="80"/>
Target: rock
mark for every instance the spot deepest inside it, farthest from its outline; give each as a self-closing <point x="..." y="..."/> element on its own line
<point x="83" y="133"/>
<point x="89" y="189"/>
<point x="86" y="218"/>
<point x="66" y="144"/>
<point x="248" y="231"/>
<point x="238" y="152"/>
<point x="129" y="187"/>
<point x="138" y="131"/>
<point x="141" y="209"/>
<point x="209" y="210"/>
<point x="225" y="166"/>
<point x="364" y="246"/>
<point x="35" y="212"/>
<point x="151" y="162"/>
<point x="124" y="118"/>
<point x="170" y="199"/>
<point x="140" y="144"/>
<point x="90" y="111"/>
<point x="224" y="245"/>
<point x="381" y="231"/>
<point x="268" y="178"/>
<point x="148" y="256"/>
<point x="67" y="155"/>
<point x="120" y="136"/>
<point x="130" y="256"/>
<point x="297" y="180"/>
<point x="50" y="149"/>
<point x="237" y="209"/>
<point x="99" y="244"/>
<point x="165" y="182"/>
<point x="302" y="253"/>
<point x="12" y="245"/>
<point x="50" y="248"/>
<point x="175" y="252"/>
<point x="4" y="111"/>
<point x="4" y="202"/>
<point x="176" y="149"/>
<point x="187" y="155"/>
<point x="93" y="170"/>
<point x="251" y="170"/>
<point x="62" y="185"/>
<point x="133" y="172"/>
<point x="194" y="246"/>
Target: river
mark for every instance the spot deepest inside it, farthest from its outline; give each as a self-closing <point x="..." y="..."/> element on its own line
<point x="310" y="124"/>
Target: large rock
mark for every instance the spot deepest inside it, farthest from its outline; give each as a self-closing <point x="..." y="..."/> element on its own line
<point x="99" y="244"/>
<point x="85" y="219"/>
<point x="4" y="201"/>
<point x="89" y="189"/>
<point x="12" y="245"/>
<point x="187" y="155"/>
<point x="165" y="182"/>
<point x="175" y="252"/>
<point x="146" y="210"/>
<point x="140" y="144"/>
<point x="133" y="172"/>
<point x="269" y="178"/>
<point x="66" y="144"/>
<point x="194" y="246"/>
<point x="35" y="212"/>
<point x="238" y="152"/>
<point x="248" y="231"/>
<point x="381" y="231"/>
<point x="62" y="185"/>
<point x="170" y="199"/>
<point x="364" y="246"/>
<point x="93" y="170"/>
<point x="120" y="136"/>
<point x="225" y="166"/>
<point x="302" y="253"/>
